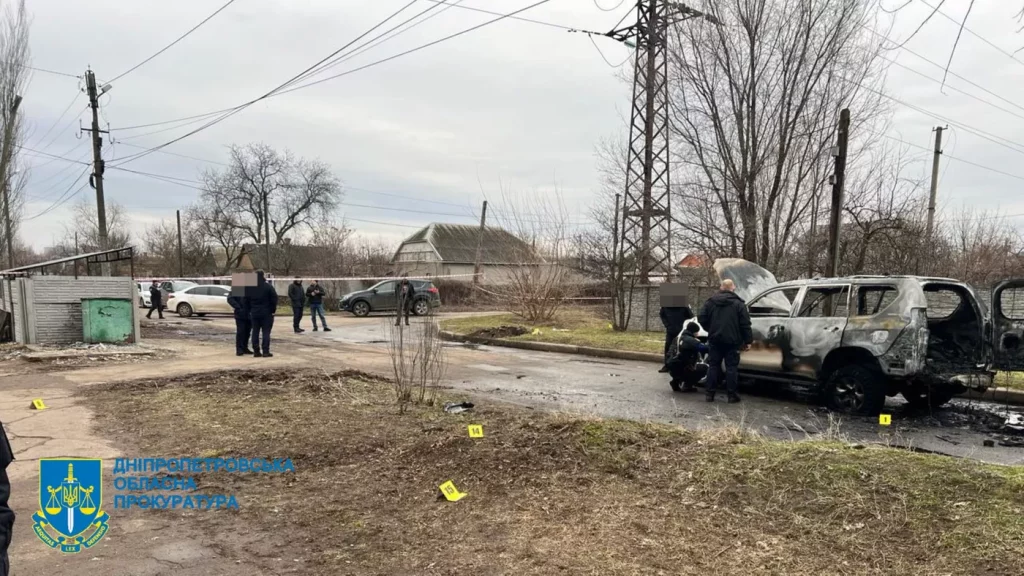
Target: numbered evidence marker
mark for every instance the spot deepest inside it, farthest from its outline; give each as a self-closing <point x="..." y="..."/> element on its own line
<point x="37" y="404"/>
<point x="476" y="431"/>
<point x="451" y="492"/>
<point x="885" y="419"/>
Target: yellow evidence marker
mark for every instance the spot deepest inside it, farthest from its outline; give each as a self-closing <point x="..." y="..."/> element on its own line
<point x="476" y="431"/>
<point x="885" y="419"/>
<point x="451" y="492"/>
<point x="37" y="404"/>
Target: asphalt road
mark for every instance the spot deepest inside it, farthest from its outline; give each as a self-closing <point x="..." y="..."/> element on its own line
<point x="634" y="390"/>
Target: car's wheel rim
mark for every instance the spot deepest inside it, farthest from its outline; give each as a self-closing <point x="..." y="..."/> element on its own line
<point x="360" y="309"/>
<point x="421" y="308"/>
<point x="849" y="394"/>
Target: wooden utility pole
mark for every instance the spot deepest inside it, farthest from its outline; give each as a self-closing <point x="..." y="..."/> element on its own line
<point x="181" y="266"/>
<point x="477" y="264"/>
<point x="935" y="182"/>
<point x="266" y="227"/>
<point x="97" y="161"/>
<point x="812" y="242"/>
<point x="5" y="164"/>
<point x="836" y="219"/>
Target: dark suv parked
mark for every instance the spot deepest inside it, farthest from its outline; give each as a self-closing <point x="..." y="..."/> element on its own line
<point x="381" y="298"/>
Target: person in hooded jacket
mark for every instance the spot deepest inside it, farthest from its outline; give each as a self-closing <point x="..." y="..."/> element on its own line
<point x="262" y="305"/>
<point x="685" y="367"/>
<point x="672" y="318"/>
<point x="297" y="296"/>
<point x="727" y="322"/>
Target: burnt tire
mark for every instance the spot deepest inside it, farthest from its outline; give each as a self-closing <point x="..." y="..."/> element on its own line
<point x="926" y="398"/>
<point x="855" y="389"/>
<point x="184" y="310"/>
<point x="361" y="308"/>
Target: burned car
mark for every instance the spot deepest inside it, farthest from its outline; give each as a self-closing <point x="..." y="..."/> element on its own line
<point x="859" y="339"/>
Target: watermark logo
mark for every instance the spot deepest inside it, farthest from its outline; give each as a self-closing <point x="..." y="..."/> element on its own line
<point x="70" y="500"/>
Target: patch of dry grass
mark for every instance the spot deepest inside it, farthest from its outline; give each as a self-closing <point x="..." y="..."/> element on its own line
<point x="576" y="326"/>
<point x="560" y="493"/>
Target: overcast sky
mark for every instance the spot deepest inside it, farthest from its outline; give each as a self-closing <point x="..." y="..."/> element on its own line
<point x="515" y="103"/>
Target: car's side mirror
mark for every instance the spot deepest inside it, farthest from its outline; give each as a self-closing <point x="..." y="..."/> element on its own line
<point x="374" y="290"/>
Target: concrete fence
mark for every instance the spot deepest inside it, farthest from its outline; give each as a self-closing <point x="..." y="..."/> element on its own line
<point x="48" y="309"/>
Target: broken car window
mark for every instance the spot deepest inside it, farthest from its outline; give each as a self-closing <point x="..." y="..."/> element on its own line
<point x="942" y="303"/>
<point x="1011" y="303"/>
<point x="774" y="303"/>
<point x="873" y="299"/>
<point x="826" y="302"/>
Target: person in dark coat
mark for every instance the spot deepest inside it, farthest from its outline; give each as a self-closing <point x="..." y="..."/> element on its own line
<point x="727" y="322"/>
<point x="674" y="312"/>
<point x="243" y="324"/>
<point x="404" y="294"/>
<point x="298" y="299"/>
<point x="685" y="367"/>
<point x="316" y="294"/>
<point x="262" y="305"/>
<point x="6" y="514"/>
<point x="156" y="300"/>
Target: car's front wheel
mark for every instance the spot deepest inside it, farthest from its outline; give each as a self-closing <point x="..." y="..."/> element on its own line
<point x="421" y="307"/>
<point x="184" y="310"/>
<point x="361" y="308"/>
<point x="856" y="389"/>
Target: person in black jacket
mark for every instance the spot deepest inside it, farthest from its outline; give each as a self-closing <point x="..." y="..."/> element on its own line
<point x="674" y="312"/>
<point x="155" y="300"/>
<point x="685" y="367"/>
<point x="6" y="514"/>
<point x="727" y="322"/>
<point x="298" y="298"/>
<point x="243" y="324"/>
<point x="316" y="294"/>
<point x="262" y="305"/>
<point x="404" y="295"/>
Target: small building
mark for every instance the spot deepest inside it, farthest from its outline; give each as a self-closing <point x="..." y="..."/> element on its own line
<point x="40" y="307"/>
<point x="451" y="250"/>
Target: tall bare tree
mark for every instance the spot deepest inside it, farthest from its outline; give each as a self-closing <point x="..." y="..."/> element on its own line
<point x="160" y="242"/>
<point x="754" y="105"/>
<point x="260" y="183"/>
<point x="14" y="77"/>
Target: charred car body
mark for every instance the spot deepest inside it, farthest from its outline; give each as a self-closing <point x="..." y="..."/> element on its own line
<point x="857" y="340"/>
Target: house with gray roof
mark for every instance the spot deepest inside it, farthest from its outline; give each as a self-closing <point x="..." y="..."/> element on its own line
<point x="450" y="249"/>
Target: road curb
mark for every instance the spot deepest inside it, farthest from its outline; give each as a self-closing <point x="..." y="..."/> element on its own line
<point x="999" y="395"/>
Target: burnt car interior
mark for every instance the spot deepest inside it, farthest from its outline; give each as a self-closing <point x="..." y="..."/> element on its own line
<point x="954" y="326"/>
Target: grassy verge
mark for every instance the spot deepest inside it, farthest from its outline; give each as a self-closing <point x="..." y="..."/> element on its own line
<point x="554" y="494"/>
<point x="571" y="326"/>
<point x="1013" y="380"/>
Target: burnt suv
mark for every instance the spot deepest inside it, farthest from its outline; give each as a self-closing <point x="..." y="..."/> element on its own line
<point x="859" y="339"/>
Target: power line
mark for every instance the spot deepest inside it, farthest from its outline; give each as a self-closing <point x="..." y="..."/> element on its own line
<point x="79" y="76"/>
<point x="962" y="24"/>
<point x="59" y="118"/>
<point x="63" y="198"/>
<point x="175" y="154"/>
<point x="949" y="156"/>
<point x="165" y="48"/>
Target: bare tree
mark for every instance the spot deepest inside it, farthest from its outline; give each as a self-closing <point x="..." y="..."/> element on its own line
<point x="418" y="360"/>
<point x="754" y="105"/>
<point x="262" y="183"/>
<point x="371" y="258"/>
<point x="217" y="228"/>
<point x="160" y="242"/>
<point x="14" y="77"/>
<point x="333" y="248"/>
<point x="539" y="276"/>
<point x="85" y="226"/>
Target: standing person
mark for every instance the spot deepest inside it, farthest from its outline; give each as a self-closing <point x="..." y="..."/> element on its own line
<point x="316" y="293"/>
<point x="156" y="300"/>
<point x="727" y="322"/>
<point x="262" y="305"/>
<point x="6" y="514"/>
<point x="298" y="299"/>
<point x="404" y="294"/>
<point x="243" y="324"/>
<point x="674" y="312"/>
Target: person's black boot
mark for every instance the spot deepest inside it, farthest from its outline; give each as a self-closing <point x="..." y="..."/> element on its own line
<point x="268" y="355"/>
<point x="257" y="355"/>
<point x="240" y="353"/>
<point x="734" y="398"/>
<point x="247" y="351"/>
<point x="710" y="396"/>
<point x="326" y="329"/>
<point x="688" y="388"/>
<point x="315" y="328"/>
<point x="663" y="370"/>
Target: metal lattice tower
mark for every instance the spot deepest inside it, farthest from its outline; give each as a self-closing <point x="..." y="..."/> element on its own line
<point x="646" y="210"/>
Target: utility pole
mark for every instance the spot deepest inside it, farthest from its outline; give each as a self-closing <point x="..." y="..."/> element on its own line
<point x="812" y="241"/>
<point x="76" y="254"/>
<point x="935" y="182"/>
<point x="5" y="164"/>
<point x="836" y="219"/>
<point x="646" y="207"/>
<point x="478" y="265"/>
<point x="266" y="227"/>
<point x="97" y="160"/>
<point x="181" y="266"/>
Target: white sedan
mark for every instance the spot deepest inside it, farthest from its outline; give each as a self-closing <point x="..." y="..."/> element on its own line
<point x="200" y="300"/>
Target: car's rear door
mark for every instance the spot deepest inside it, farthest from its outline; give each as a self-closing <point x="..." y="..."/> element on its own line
<point x="219" y="299"/>
<point x="199" y="298"/>
<point x="1007" y="325"/>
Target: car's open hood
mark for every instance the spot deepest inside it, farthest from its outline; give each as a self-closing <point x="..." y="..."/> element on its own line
<point x="749" y="278"/>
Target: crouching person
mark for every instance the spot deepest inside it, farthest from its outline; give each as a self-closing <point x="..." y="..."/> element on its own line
<point x="685" y="367"/>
